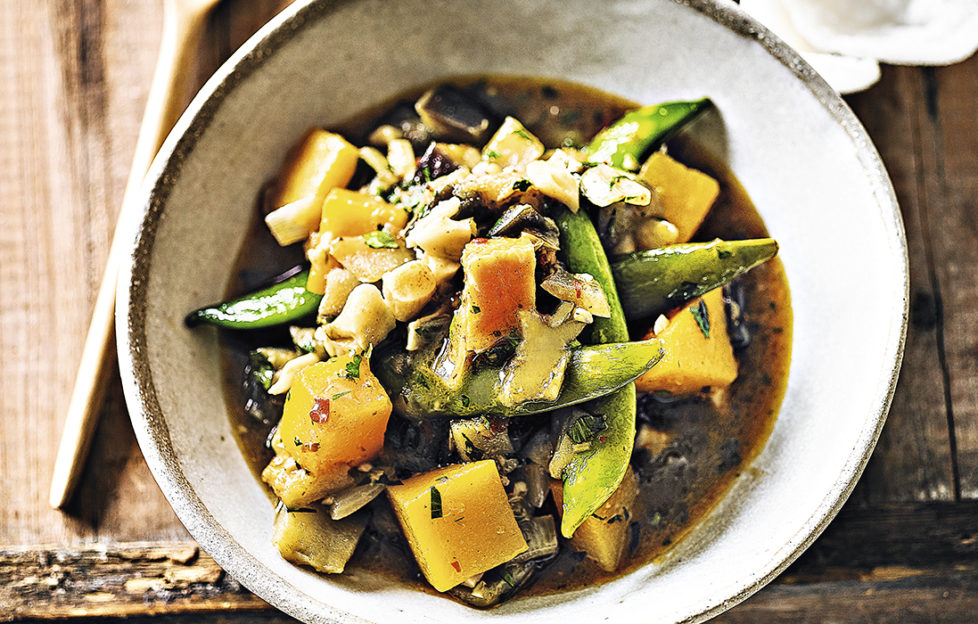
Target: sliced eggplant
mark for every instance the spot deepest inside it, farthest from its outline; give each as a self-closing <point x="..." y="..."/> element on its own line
<point x="454" y="115"/>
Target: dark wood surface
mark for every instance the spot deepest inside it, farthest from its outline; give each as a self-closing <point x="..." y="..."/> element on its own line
<point x="75" y="76"/>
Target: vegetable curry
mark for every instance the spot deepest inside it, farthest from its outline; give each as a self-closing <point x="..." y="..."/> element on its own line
<point x="532" y="335"/>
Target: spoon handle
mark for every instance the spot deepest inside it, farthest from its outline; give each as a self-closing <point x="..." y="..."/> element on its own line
<point x="182" y="27"/>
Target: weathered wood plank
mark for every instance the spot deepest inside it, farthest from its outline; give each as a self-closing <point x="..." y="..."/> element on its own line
<point x="953" y="216"/>
<point x="913" y="460"/>
<point x="920" y="550"/>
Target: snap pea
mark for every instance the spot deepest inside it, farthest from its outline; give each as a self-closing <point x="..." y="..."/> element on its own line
<point x="653" y="281"/>
<point x="593" y="371"/>
<point x="625" y="143"/>
<point x="280" y="303"/>
<point x="593" y="475"/>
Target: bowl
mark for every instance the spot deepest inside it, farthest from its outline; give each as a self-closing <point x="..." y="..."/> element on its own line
<point x="809" y="166"/>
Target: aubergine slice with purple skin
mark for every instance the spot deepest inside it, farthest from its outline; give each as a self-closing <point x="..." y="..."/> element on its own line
<point x="454" y="115"/>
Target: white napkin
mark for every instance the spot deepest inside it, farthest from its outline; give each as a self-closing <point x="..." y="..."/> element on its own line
<point x="844" y="40"/>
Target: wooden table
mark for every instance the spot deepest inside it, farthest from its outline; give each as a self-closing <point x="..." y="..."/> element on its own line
<point x="75" y="75"/>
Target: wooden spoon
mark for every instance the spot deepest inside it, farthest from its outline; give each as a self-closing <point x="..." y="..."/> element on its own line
<point x="183" y="23"/>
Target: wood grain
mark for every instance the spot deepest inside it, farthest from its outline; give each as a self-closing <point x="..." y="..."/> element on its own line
<point x="76" y="75"/>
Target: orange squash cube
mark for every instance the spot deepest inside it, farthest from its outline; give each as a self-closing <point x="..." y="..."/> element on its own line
<point x="320" y="162"/>
<point x="351" y="213"/>
<point x="499" y="283"/>
<point x="458" y="521"/>
<point x="603" y="535"/>
<point x="697" y="350"/>
<point x="335" y="416"/>
<point x="686" y="195"/>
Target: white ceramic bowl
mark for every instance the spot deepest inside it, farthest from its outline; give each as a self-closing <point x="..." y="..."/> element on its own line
<point x="807" y="163"/>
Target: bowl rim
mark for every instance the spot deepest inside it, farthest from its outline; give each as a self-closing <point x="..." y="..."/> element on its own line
<point x="146" y="415"/>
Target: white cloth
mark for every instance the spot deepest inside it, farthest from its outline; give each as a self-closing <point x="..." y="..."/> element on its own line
<point x="844" y="40"/>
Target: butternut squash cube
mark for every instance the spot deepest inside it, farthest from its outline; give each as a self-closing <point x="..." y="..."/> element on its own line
<point x="512" y="145"/>
<point x="294" y="485"/>
<point x="603" y="535"/>
<point x="685" y="194"/>
<point x="351" y="213"/>
<point x="697" y="350"/>
<point x="368" y="264"/>
<point x="499" y="284"/>
<point x="335" y="416"/>
<point x="320" y="162"/>
<point x="458" y="521"/>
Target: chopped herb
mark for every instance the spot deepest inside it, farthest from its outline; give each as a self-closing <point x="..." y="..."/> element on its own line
<point x="261" y="369"/>
<point x="520" y="132"/>
<point x="340" y="394"/>
<point x="522" y="185"/>
<point x="702" y="316"/>
<point x="476" y="309"/>
<point x="724" y="253"/>
<point x="656" y="519"/>
<point x="442" y="479"/>
<point x="297" y="441"/>
<point x="353" y="367"/>
<point x="459" y="519"/>
<point x="585" y="427"/>
<point x="508" y="578"/>
<point x="380" y="240"/>
<point x="465" y="401"/>
<point x="426" y="172"/>
<point x="492" y="154"/>
<point x="615" y="180"/>
<point x="301" y="510"/>
<point x="435" y="503"/>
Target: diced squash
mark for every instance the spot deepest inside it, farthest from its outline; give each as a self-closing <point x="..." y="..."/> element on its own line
<point x="368" y="263"/>
<point x="458" y="521"/>
<point x="310" y="537"/>
<point x="335" y="416"/>
<point x="512" y="145"/>
<point x="294" y="221"/>
<point x="351" y="213"/>
<point x="685" y="194"/>
<point x="408" y="288"/>
<point x="320" y="162"/>
<point x="697" y="350"/>
<point x="294" y="485"/>
<point x="603" y="535"/>
<point x="499" y="283"/>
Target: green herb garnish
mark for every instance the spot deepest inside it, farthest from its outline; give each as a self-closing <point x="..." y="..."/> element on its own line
<point x="380" y="240"/>
<point x="492" y="154"/>
<point x="341" y="394"/>
<point x="509" y="578"/>
<point x="520" y="132"/>
<point x="465" y="401"/>
<point x="702" y="316"/>
<point x="297" y="441"/>
<point x="261" y="369"/>
<point x="435" y="503"/>
<point x="522" y="185"/>
<point x="353" y="367"/>
<point x="476" y="309"/>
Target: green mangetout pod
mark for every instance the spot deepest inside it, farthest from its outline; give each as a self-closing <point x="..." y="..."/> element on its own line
<point x="281" y="303"/>
<point x="625" y="143"/>
<point x="593" y="371"/>
<point x="654" y="281"/>
<point x="592" y="476"/>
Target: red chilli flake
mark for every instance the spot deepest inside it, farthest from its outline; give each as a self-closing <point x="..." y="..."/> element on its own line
<point x="310" y="447"/>
<point x="457" y="566"/>
<point x="320" y="411"/>
<point x="479" y="241"/>
<point x="603" y="439"/>
<point x="578" y="288"/>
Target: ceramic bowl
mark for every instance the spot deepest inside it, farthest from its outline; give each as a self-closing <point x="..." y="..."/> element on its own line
<point x="801" y="154"/>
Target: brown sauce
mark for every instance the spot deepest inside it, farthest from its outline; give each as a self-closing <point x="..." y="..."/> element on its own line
<point x="706" y="444"/>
